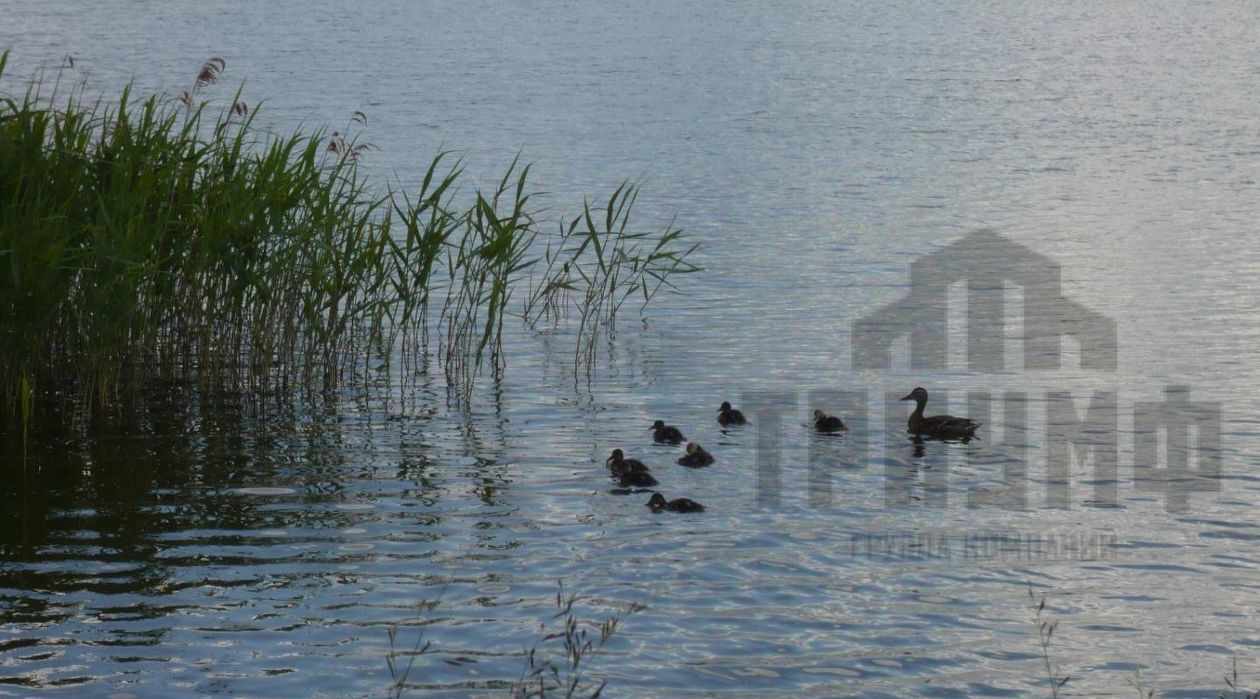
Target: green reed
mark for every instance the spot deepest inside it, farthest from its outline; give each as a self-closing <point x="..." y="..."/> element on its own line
<point x="596" y="264"/>
<point x="150" y="240"/>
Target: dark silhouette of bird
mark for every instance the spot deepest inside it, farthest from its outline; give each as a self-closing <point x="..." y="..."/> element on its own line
<point x="730" y="416"/>
<point x="937" y="426"/>
<point x="696" y="456"/>
<point x="637" y="479"/>
<point x="828" y="423"/>
<point x="630" y="472"/>
<point x="619" y="464"/>
<point x="659" y="503"/>
<point x="666" y="434"/>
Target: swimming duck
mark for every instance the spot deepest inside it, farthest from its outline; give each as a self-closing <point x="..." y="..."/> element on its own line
<point x="619" y="464"/>
<point x="630" y="472"/>
<point x="658" y="503"/>
<point x="696" y="456"/>
<point x="937" y="426"/>
<point x="667" y="434"/>
<point x="637" y="479"/>
<point x="730" y="416"/>
<point x="828" y="423"/>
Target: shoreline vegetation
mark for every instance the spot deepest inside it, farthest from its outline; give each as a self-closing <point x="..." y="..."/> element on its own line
<point x="157" y="240"/>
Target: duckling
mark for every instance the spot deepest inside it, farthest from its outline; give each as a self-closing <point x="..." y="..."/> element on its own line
<point x="666" y="434"/>
<point x="620" y="465"/>
<point x="658" y="503"/>
<point x="828" y="423"/>
<point x="937" y="426"/>
<point x="730" y="416"/>
<point x="630" y="473"/>
<point x="637" y="479"/>
<point x="696" y="456"/>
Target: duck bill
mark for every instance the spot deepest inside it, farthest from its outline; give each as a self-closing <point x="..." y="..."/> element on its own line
<point x="908" y="396"/>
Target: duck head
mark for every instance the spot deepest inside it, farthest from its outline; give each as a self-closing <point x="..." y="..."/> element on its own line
<point x="819" y="415"/>
<point x="657" y="425"/>
<point x="726" y="405"/>
<point x="918" y="394"/>
<point x="617" y="455"/>
<point x="657" y="502"/>
<point x="693" y="448"/>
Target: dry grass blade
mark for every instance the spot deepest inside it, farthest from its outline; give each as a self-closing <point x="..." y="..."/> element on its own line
<point x="580" y="643"/>
<point x="1045" y="631"/>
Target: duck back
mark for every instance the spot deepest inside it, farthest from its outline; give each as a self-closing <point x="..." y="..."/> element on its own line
<point x="637" y="479"/>
<point x="668" y="435"/>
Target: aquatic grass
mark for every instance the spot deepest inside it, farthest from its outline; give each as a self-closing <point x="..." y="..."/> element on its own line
<point x="1045" y="631"/>
<point x="428" y="221"/>
<point x="1056" y="680"/>
<point x="1232" y="688"/>
<point x="487" y="262"/>
<point x="544" y="674"/>
<point x="400" y="672"/>
<point x="145" y="241"/>
<point x="597" y="262"/>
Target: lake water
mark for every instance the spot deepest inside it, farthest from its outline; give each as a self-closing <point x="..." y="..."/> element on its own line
<point x="817" y="150"/>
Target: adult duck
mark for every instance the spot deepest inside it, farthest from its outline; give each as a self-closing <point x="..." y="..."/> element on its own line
<point x="666" y="434"/>
<point x="658" y="503"/>
<point x="696" y="456"/>
<point x="828" y="423"/>
<point x="936" y="426"/>
<point x="730" y="416"/>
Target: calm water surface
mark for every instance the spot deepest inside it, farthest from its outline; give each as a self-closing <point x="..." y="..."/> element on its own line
<point x="817" y="149"/>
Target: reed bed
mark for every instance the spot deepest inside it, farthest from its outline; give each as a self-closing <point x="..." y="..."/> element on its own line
<point x="163" y="239"/>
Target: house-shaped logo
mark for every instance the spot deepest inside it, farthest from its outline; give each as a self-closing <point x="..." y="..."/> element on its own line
<point x="987" y="262"/>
